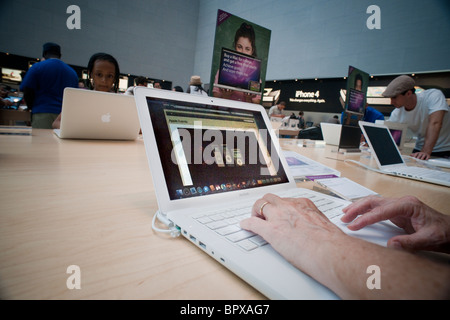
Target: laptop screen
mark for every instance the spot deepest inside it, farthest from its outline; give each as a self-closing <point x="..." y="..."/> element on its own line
<point x="207" y="149"/>
<point x="239" y="70"/>
<point x="383" y="145"/>
<point x="350" y="137"/>
<point x="397" y="136"/>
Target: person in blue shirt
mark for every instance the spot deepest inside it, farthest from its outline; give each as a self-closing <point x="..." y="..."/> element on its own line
<point x="370" y="115"/>
<point x="44" y="84"/>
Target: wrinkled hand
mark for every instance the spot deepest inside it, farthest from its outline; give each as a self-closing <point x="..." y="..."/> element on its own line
<point x="294" y="227"/>
<point x="426" y="228"/>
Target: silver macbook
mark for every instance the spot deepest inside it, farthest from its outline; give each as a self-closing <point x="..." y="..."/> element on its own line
<point x="88" y="114"/>
<point x="331" y="133"/>
<point x="389" y="160"/>
<point x="210" y="160"/>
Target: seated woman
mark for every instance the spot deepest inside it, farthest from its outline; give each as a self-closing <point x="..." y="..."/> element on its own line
<point x="103" y="73"/>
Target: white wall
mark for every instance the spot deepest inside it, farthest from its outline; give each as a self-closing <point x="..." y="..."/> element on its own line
<point x="148" y="37"/>
<point x="173" y="39"/>
<point x="321" y="38"/>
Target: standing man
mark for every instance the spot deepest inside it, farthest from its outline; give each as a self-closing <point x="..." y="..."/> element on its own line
<point x="277" y="110"/>
<point x="44" y="84"/>
<point x="426" y="114"/>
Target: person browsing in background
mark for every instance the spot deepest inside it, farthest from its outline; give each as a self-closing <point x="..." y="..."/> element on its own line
<point x="277" y="110"/>
<point x="305" y="237"/>
<point x="244" y="42"/>
<point x="370" y="115"/>
<point x="195" y="86"/>
<point x="334" y="119"/>
<point x="425" y="113"/>
<point x="302" y="122"/>
<point x="178" y="89"/>
<point x="43" y="86"/>
<point x="157" y="85"/>
<point x="82" y="84"/>
<point x="300" y="118"/>
<point x="103" y="73"/>
<point x="4" y="91"/>
<point x="139" y="82"/>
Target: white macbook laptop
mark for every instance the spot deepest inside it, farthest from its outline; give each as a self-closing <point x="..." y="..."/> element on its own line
<point x="390" y="161"/>
<point x="398" y="131"/>
<point x="331" y="133"/>
<point x="211" y="160"/>
<point x="439" y="162"/>
<point x="88" y="114"/>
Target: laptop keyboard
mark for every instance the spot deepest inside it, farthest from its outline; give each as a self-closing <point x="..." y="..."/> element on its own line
<point x="422" y="173"/>
<point x="225" y="222"/>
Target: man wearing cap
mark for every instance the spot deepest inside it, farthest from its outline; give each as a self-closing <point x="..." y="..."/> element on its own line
<point x="426" y="114"/>
<point x="44" y="84"/>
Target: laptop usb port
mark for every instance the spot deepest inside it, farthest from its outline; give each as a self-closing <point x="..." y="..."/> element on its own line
<point x="192" y="238"/>
<point x="202" y="245"/>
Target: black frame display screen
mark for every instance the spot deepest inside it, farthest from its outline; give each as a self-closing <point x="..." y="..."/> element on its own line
<point x="206" y="149"/>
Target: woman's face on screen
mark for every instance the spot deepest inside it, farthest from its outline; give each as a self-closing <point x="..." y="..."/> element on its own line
<point x="244" y="45"/>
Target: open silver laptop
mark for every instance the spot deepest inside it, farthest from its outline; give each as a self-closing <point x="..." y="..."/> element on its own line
<point x="331" y="133"/>
<point x="88" y="114"/>
<point x="389" y="160"/>
<point x="210" y="160"/>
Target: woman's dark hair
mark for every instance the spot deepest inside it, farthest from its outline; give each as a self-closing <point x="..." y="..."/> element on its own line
<point x="105" y="57"/>
<point x="246" y="31"/>
<point x="359" y="77"/>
